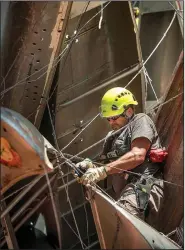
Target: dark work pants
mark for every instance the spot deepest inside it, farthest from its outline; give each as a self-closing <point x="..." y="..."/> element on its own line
<point x="129" y="202"/>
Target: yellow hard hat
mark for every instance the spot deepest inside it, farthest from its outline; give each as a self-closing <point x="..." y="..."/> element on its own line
<point x="115" y="101"/>
<point x="136" y="11"/>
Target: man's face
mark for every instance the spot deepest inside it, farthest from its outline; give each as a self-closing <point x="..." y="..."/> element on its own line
<point x="117" y="123"/>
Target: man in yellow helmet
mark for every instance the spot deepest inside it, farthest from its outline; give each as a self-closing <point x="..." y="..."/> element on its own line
<point x="133" y="145"/>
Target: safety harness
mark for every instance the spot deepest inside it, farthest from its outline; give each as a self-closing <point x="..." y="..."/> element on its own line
<point x="142" y="184"/>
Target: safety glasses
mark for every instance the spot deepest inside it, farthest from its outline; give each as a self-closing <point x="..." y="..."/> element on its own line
<point x="114" y="118"/>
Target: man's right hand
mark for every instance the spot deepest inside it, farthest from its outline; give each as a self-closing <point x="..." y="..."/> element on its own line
<point x="82" y="167"/>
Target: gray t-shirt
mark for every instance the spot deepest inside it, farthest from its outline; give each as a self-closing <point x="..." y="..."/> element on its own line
<point x="139" y="126"/>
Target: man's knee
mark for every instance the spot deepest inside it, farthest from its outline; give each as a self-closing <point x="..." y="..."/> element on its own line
<point x="131" y="209"/>
<point x="128" y="201"/>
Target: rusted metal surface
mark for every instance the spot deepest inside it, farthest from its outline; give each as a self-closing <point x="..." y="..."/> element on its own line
<point x="57" y="36"/>
<point x="119" y="229"/>
<point x="37" y="31"/>
<point x="170" y="126"/>
<point x="23" y="149"/>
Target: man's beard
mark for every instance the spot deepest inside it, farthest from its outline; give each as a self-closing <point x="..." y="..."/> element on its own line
<point x="115" y="127"/>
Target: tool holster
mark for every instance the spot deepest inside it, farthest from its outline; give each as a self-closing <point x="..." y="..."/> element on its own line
<point x="142" y="189"/>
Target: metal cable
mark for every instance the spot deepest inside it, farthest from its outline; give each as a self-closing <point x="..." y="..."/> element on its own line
<point x="73" y="230"/>
<point x="98" y="70"/>
<point x="75" y="37"/>
<point x="149" y="80"/>
<point x="15" y="192"/>
<point x="117" y="76"/>
<point x="61" y="54"/>
<point x="4" y="78"/>
<point x="94" y="118"/>
<point x="66" y="189"/>
<point x="54" y="206"/>
<point x="87" y="221"/>
<point x="171" y="99"/>
<point x="142" y="68"/>
<point x="21" y="82"/>
<point x="176" y="10"/>
<point x="114" y="133"/>
<point x="153" y="51"/>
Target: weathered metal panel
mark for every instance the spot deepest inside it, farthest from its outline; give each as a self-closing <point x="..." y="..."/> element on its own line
<point x="97" y="53"/>
<point x="79" y="6"/>
<point x="4" y="5"/>
<point x="23" y="149"/>
<point x="162" y="63"/>
<point x="36" y="29"/>
<point x="119" y="229"/>
<point x="154" y="6"/>
<point x="170" y="126"/>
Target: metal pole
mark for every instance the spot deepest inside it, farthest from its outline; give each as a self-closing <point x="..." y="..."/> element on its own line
<point x="28" y="215"/>
<point x="65" y="185"/>
<point x="92" y="244"/>
<point x="103" y="85"/>
<point x="78" y="206"/>
<point x="20" y="196"/>
<point x="31" y="200"/>
<point x="97" y="221"/>
<point x="9" y="234"/>
<point x="57" y="35"/>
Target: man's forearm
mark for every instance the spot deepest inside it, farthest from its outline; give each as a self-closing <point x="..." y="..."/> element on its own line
<point x="127" y="162"/>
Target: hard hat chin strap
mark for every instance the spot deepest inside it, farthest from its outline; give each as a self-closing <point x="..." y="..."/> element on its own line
<point x="128" y="117"/>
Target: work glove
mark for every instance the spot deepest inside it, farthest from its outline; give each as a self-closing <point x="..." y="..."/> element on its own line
<point x="82" y="167"/>
<point x="93" y="175"/>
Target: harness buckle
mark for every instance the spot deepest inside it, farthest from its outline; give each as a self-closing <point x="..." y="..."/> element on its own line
<point x="112" y="154"/>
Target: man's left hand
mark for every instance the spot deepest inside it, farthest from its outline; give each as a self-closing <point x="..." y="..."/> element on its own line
<point x="93" y="175"/>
